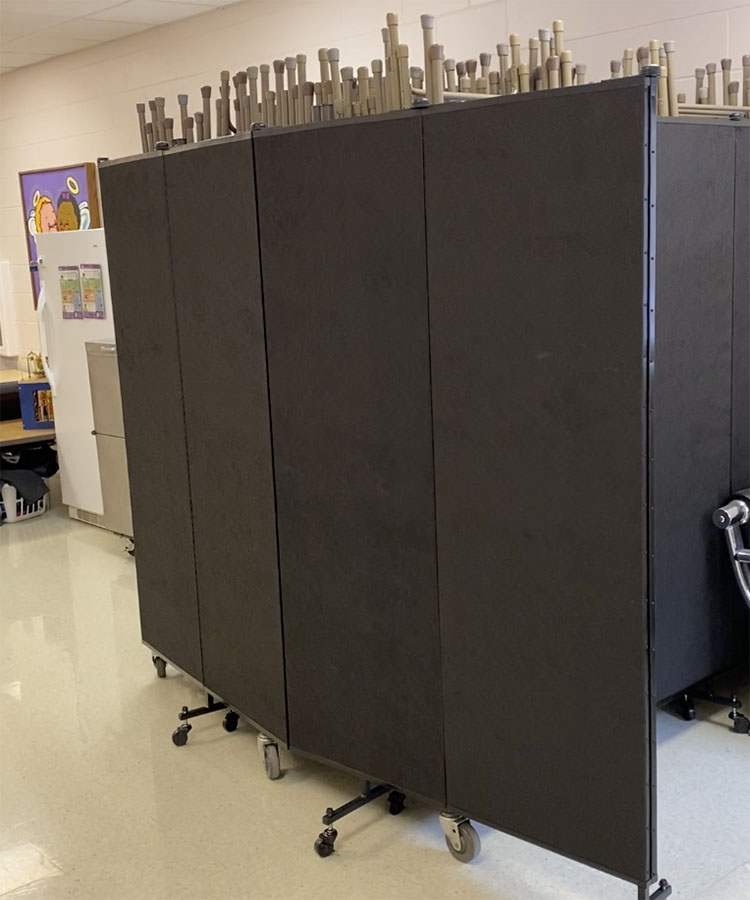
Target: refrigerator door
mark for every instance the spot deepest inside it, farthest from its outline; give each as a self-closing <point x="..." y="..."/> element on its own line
<point x="64" y="343"/>
<point x="104" y="380"/>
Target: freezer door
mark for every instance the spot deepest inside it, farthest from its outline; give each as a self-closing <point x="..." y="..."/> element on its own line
<point x="113" y="470"/>
<point x="104" y="380"/>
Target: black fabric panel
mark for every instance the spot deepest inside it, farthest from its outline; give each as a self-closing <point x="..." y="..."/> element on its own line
<point x="741" y="327"/>
<point x="140" y="270"/>
<point x="536" y="240"/>
<point x="699" y="614"/>
<point x="213" y="224"/>
<point x="343" y="258"/>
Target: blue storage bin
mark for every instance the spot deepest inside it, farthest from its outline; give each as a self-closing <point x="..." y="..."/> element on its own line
<point x="36" y="404"/>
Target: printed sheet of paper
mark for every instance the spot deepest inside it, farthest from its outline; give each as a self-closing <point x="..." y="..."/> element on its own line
<point x="92" y="290"/>
<point x="70" y="290"/>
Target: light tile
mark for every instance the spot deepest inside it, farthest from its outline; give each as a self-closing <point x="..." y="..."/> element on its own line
<point x="735" y="886"/>
<point x="90" y="776"/>
<point x="23" y="864"/>
<point x="67" y="9"/>
<point x="89" y="29"/>
<point x="50" y="44"/>
<point x="16" y="58"/>
<point x="149" y="12"/>
<point x="16" y="24"/>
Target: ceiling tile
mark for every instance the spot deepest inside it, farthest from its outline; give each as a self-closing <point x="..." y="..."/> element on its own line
<point x="210" y="3"/>
<point x="16" y="59"/>
<point x="54" y="27"/>
<point x="49" y="45"/>
<point x="150" y="12"/>
<point x="13" y="25"/>
<point x="66" y="9"/>
<point x="94" y="30"/>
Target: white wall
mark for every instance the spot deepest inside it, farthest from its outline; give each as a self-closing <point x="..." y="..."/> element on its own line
<point x="81" y="106"/>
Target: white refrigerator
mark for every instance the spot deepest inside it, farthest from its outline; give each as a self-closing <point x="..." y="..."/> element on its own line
<point x="66" y="322"/>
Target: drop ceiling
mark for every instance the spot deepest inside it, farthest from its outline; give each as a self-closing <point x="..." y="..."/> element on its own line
<point x="34" y="30"/>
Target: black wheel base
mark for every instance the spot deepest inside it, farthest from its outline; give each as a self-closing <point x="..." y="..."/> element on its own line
<point x="687" y="708"/>
<point x="230" y="721"/>
<point x="663" y="890"/>
<point x="740" y="722"/>
<point x="324" y="843"/>
<point x="180" y="734"/>
<point x="396" y="801"/>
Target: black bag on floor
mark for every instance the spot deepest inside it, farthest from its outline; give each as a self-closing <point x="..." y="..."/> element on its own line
<point x="39" y="458"/>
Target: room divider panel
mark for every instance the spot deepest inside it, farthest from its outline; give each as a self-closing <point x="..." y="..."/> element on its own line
<point x="741" y="319"/>
<point x="700" y="619"/>
<point x="341" y="215"/>
<point x="539" y="215"/>
<point x="427" y="414"/>
<point x="140" y="265"/>
<point x="217" y="285"/>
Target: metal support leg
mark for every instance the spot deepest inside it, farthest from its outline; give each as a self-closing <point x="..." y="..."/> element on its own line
<point x="664" y="890"/>
<point x="180" y="734"/>
<point x="705" y="691"/>
<point x="730" y="519"/>
<point x="324" y="845"/>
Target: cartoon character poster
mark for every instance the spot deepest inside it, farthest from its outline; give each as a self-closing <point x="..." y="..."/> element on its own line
<point x="63" y="199"/>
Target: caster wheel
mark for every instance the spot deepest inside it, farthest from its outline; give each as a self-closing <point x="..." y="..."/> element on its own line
<point x="324" y="843"/>
<point x="470" y="844"/>
<point x="272" y="762"/>
<point x="180" y="735"/>
<point x="396" y="802"/>
<point x="160" y="665"/>
<point x="740" y="723"/>
<point x="687" y="708"/>
<point x="230" y="722"/>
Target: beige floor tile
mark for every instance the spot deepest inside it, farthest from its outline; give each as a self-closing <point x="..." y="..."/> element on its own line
<point x="735" y="886"/>
<point x="104" y="807"/>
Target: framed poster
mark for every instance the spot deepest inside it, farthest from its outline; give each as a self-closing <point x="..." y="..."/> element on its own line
<point x="61" y="199"/>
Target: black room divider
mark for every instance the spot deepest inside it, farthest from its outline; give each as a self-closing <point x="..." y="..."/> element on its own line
<point x="423" y="449"/>
<point x="540" y="391"/>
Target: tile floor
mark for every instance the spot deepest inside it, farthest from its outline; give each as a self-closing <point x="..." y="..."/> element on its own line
<point x="97" y="804"/>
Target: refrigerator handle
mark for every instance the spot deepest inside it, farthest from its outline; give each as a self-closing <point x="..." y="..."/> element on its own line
<point x="42" y="307"/>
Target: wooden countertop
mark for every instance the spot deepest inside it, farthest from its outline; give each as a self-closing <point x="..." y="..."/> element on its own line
<point x="13" y="432"/>
<point x="10" y="376"/>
